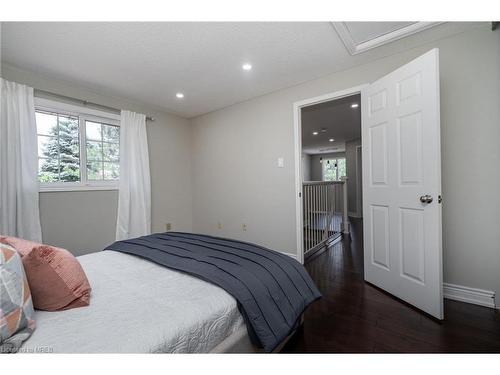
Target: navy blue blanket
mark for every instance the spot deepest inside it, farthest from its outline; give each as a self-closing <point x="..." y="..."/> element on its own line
<point x="271" y="288"/>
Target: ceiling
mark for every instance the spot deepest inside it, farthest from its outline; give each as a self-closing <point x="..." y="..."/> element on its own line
<point x="334" y="119"/>
<point x="151" y="62"/>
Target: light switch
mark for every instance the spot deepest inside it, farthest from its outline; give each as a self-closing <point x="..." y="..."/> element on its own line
<point x="281" y="163"/>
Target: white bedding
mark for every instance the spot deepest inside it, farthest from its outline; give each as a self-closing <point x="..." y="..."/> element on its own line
<point x="138" y="306"/>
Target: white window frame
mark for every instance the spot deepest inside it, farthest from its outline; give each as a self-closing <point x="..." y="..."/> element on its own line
<point x="336" y="159"/>
<point x="83" y="114"/>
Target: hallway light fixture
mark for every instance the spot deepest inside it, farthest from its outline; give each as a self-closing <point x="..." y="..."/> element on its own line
<point x="354" y="105"/>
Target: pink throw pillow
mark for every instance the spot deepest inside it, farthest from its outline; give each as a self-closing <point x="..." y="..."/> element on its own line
<point x="56" y="278"/>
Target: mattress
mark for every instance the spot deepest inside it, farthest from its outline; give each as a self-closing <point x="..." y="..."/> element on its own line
<point x="138" y="306"/>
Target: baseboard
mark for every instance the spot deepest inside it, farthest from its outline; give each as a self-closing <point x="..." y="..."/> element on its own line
<point x="470" y="295"/>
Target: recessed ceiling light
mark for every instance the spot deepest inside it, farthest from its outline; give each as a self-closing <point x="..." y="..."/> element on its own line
<point x="315" y="133"/>
<point x="354" y="105"/>
<point x="331" y="139"/>
<point x="247" y="66"/>
<point x="179" y="95"/>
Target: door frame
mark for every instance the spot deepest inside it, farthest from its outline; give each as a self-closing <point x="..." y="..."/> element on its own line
<point x="359" y="180"/>
<point x="297" y="125"/>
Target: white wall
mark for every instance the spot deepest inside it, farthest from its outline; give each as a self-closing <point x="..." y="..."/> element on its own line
<point x="253" y="190"/>
<point x="85" y="221"/>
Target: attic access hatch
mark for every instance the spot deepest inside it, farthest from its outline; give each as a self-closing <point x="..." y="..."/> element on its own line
<point x="359" y="37"/>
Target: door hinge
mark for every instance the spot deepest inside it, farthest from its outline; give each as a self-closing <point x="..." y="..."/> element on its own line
<point x="300" y="195"/>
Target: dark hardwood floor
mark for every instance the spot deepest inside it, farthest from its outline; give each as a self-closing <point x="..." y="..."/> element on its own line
<point x="356" y="317"/>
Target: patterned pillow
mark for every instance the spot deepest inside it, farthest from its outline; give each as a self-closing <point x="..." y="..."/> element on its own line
<point x="16" y="307"/>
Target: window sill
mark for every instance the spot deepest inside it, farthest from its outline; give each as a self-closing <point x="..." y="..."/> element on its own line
<point x="52" y="189"/>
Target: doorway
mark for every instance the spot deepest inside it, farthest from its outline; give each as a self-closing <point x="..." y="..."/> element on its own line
<point x="323" y="168"/>
<point x="330" y="142"/>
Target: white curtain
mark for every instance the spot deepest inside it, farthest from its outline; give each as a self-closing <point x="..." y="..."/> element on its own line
<point x="134" y="202"/>
<point x="19" y="209"/>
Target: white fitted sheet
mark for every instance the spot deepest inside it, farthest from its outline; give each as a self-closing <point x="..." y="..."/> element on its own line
<point x="137" y="306"/>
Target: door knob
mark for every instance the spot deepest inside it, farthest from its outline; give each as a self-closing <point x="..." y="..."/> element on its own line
<point x="426" y="198"/>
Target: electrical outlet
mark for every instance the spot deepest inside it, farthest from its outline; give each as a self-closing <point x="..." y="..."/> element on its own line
<point x="244" y="227"/>
<point x="168" y="226"/>
<point x="219" y="225"/>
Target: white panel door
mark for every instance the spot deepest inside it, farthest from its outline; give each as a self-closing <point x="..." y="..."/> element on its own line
<point x="402" y="184"/>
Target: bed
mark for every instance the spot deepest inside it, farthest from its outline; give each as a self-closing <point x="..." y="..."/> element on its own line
<point x="140" y="306"/>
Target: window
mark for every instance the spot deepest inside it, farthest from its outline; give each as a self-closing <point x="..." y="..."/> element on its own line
<point x="58" y="147"/>
<point x="103" y="151"/>
<point x="334" y="169"/>
<point x="76" y="150"/>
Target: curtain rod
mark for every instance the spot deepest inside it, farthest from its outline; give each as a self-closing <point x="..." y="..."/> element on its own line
<point x="84" y="102"/>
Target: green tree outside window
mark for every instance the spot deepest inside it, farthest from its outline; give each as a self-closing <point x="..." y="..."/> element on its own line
<point x="59" y="148"/>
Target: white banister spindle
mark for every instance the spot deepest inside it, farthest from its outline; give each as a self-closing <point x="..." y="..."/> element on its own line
<point x="325" y="230"/>
<point x="308" y="215"/>
<point x="316" y="216"/>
